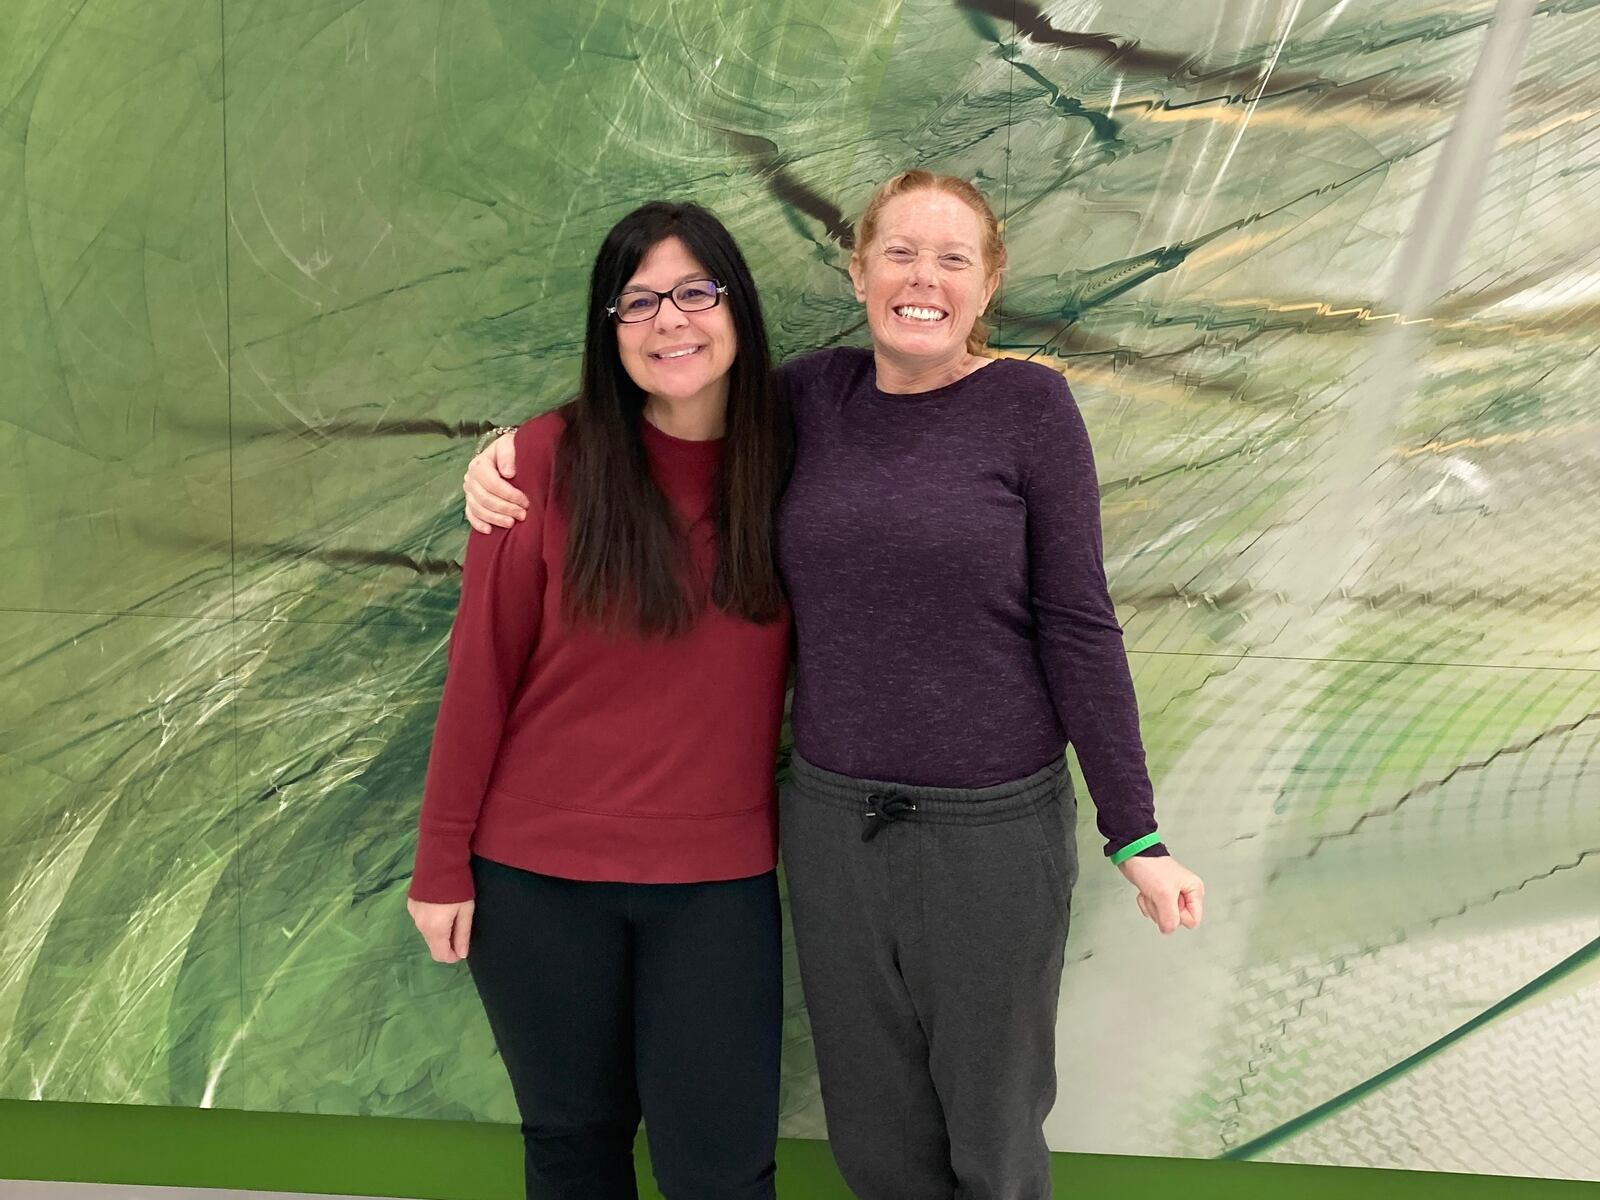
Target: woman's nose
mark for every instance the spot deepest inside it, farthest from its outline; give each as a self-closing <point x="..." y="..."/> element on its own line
<point x="669" y="317"/>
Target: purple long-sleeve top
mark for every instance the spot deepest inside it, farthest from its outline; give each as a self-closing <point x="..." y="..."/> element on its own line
<point x="942" y="553"/>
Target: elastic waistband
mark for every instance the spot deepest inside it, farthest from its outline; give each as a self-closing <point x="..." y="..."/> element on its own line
<point x="956" y="806"/>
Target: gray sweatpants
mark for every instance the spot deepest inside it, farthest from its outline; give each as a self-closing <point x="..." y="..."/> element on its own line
<point x="931" y="925"/>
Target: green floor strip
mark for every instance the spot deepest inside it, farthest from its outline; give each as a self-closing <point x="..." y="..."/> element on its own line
<point x="447" y="1160"/>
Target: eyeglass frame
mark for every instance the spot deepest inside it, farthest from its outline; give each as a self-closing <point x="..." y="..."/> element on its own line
<point x="718" y="292"/>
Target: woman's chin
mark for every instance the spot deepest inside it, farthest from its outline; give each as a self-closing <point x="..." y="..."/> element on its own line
<point x="916" y="343"/>
<point x="682" y="386"/>
<point x="680" y="389"/>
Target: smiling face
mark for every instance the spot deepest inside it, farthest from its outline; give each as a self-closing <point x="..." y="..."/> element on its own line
<point x="676" y="355"/>
<point x="923" y="278"/>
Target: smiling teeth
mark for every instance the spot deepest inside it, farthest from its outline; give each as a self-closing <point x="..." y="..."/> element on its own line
<point x="678" y="353"/>
<point x="920" y="314"/>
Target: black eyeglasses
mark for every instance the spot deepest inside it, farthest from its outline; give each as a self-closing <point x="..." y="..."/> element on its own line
<point x="641" y="304"/>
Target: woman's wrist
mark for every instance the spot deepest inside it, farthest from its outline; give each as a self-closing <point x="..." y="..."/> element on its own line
<point x="488" y="439"/>
<point x="1149" y="844"/>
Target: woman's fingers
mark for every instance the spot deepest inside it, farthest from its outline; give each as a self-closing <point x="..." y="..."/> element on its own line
<point x="1161" y="907"/>
<point x="485" y="512"/>
<point x="501" y="496"/>
<point x="492" y="492"/>
<point x="436" y="932"/>
<point x="491" y="501"/>
<point x="475" y="515"/>
<point x="484" y="502"/>
<point x="497" y="492"/>
<point x="1168" y="893"/>
<point x="1166" y="905"/>
<point x="436" y="923"/>
<point x="462" y="934"/>
<point x="504" y="449"/>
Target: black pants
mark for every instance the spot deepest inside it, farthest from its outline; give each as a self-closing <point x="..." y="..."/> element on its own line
<point x="611" y="999"/>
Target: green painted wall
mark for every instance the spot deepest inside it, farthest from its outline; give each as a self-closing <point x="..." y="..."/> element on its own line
<point x="270" y="264"/>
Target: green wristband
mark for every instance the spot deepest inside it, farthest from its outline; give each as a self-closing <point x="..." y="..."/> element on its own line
<point x="1132" y="848"/>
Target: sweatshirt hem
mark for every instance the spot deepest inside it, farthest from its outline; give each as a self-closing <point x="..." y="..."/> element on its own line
<point x="572" y="843"/>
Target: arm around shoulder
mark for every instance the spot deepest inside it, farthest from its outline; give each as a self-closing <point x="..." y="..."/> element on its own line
<point x="492" y="499"/>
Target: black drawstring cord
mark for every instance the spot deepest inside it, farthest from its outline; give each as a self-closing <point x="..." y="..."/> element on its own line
<point x="881" y="810"/>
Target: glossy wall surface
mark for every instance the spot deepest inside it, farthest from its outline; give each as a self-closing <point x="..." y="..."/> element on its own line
<point x="1323" y="275"/>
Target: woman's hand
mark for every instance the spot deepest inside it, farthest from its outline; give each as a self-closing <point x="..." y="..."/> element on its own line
<point x="447" y="928"/>
<point x="490" y="499"/>
<point x="1169" y="893"/>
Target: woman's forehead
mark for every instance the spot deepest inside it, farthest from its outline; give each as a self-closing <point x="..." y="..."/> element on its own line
<point x="930" y="214"/>
<point x="666" y="264"/>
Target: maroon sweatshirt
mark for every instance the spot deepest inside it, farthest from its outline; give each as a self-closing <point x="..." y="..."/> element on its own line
<point x="573" y="753"/>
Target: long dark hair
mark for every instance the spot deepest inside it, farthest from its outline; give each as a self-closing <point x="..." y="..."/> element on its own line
<point x="627" y="562"/>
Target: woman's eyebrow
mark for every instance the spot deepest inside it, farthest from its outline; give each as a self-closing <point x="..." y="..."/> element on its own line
<point x="634" y="283"/>
<point x="957" y="245"/>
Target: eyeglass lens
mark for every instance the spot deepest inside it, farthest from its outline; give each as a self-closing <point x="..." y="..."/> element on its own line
<point x="693" y="296"/>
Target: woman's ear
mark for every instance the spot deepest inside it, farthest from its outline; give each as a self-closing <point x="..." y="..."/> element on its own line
<point x="858" y="279"/>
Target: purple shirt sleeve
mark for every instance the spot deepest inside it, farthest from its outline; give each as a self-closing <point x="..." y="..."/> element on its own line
<point x="1079" y="640"/>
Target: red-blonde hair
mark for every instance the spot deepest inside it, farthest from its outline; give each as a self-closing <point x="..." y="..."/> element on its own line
<point x="916" y="180"/>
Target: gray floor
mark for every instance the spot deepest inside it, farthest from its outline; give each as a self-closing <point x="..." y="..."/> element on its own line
<point x="24" y="1189"/>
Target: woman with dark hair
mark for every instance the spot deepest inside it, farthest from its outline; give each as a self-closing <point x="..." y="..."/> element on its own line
<point x="613" y="879"/>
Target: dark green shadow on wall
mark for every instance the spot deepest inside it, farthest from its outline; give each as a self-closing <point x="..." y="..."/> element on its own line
<point x="450" y="1160"/>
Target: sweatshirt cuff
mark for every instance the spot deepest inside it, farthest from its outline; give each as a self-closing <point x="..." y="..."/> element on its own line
<point x="442" y="874"/>
<point x="1148" y="846"/>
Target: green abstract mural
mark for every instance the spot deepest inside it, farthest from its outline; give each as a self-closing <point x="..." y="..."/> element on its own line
<point x="1323" y="274"/>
